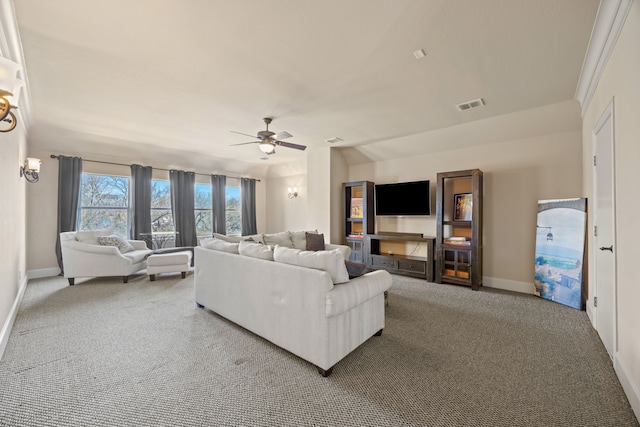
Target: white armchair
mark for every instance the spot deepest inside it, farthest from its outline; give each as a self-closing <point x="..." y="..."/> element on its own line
<point x="83" y="256"/>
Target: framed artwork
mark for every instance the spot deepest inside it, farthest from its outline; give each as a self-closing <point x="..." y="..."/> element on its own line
<point x="560" y="238"/>
<point x="462" y="206"/>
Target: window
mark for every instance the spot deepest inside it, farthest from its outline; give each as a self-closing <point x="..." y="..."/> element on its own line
<point x="233" y="214"/>
<point x="104" y="203"/>
<point x="161" y="215"/>
<point x="204" y="216"/>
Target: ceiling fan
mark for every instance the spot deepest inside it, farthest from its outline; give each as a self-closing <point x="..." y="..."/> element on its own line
<point x="267" y="141"/>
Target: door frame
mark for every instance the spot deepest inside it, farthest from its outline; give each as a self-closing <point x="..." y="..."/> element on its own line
<point x="608" y="113"/>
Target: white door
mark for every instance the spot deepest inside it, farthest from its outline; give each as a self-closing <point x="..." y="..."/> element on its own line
<point x="605" y="248"/>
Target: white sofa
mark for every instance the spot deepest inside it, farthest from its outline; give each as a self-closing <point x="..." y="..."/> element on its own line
<point x="83" y="256"/>
<point x="297" y="308"/>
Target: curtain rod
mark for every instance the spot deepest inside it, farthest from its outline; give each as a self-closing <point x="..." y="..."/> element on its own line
<point x="53" y="156"/>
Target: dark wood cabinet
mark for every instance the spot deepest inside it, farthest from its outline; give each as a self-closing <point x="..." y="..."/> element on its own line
<point x="381" y="256"/>
<point x="459" y="228"/>
<point x="359" y="217"/>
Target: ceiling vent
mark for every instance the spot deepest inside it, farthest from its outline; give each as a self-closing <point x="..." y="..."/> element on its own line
<point x="470" y="104"/>
<point x="333" y="140"/>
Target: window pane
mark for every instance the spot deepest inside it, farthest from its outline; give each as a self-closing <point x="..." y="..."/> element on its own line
<point x="233" y="222"/>
<point x="204" y="221"/>
<point x="233" y="218"/>
<point x="104" y="203"/>
<point x="232" y="195"/>
<point x="161" y="215"/>
<point x="104" y="219"/>
<point x="203" y="196"/>
<point x="161" y="220"/>
<point x="202" y="204"/>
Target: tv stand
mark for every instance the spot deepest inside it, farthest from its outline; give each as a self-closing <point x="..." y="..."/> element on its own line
<point x="379" y="254"/>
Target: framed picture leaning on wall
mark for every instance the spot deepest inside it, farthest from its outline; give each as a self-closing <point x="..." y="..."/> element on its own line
<point x="462" y="204"/>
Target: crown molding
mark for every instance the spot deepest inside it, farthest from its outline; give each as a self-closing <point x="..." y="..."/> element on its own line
<point x="11" y="48"/>
<point x="606" y="29"/>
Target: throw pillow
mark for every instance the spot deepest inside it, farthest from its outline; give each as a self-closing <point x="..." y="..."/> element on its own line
<point x="220" y="245"/>
<point x="117" y="241"/>
<point x="281" y="239"/>
<point x="299" y="239"/>
<point x="315" y="242"/>
<point x="256" y="238"/>
<point x="355" y="269"/>
<point x="330" y="261"/>
<point x="256" y="250"/>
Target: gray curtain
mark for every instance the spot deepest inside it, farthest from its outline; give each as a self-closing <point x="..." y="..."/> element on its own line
<point x="248" y="206"/>
<point x="141" y="202"/>
<point x="218" y="203"/>
<point x="182" y="206"/>
<point x="69" y="177"/>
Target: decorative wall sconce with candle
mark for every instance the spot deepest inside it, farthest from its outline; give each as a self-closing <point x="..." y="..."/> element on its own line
<point x="293" y="192"/>
<point x="31" y="169"/>
<point x="9" y="92"/>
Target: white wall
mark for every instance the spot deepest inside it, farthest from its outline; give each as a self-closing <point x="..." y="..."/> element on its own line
<point x="13" y="210"/>
<point x="621" y="81"/>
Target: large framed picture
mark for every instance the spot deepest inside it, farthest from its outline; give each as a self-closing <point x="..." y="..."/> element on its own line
<point x="462" y="206"/>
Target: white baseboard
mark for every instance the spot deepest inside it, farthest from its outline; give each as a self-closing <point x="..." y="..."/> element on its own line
<point x="43" y="272"/>
<point x="630" y="389"/>
<point x="508" y="285"/>
<point x="8" y="324"/>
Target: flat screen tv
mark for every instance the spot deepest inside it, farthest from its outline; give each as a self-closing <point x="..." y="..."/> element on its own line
<point x="403" y="199"/>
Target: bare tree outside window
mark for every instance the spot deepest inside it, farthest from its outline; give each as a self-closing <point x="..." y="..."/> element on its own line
<point x="161" y="215"/>
<point x="233" y="218"/>
<point x="202" y="208"/>
<point x="104" y="203"/>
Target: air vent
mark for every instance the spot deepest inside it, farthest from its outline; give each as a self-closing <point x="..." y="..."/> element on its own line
<point x="333" y="140"/>
<point x="470" y="104"/>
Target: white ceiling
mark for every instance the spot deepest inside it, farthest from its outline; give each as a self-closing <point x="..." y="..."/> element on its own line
<point x="180" y="75"/>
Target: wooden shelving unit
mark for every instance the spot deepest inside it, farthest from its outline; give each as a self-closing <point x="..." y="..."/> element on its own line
<point x="359" y="217"/>
<point x="459" y="228"/>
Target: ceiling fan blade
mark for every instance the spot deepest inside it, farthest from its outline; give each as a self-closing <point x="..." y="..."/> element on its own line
<point x="283" y="135"/>
<point x="290" y="145"/>
<point x="245" y="134"/>
<point x="245" y="143"/>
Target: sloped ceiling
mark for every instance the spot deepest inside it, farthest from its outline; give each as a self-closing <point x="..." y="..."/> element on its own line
<point x="178" y="76"/>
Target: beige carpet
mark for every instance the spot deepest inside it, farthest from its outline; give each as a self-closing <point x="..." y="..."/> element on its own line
<point x="104" y="353"/>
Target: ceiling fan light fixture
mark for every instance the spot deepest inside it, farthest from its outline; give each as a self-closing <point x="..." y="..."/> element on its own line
<point x="267" y="147"/>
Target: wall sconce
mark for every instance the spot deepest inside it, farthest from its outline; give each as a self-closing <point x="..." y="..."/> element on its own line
<point x="293" y="192"/>
<point x="9" y="93"/>
<point x="31" y="169"/>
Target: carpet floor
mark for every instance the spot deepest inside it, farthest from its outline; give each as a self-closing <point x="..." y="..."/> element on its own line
<point x="104" y="353"/>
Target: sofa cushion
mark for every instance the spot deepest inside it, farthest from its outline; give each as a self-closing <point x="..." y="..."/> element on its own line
<point x="255" y="250"/>
<point x="281" y="239"/>
<point x="91" y="236"/>
<point x="220" y="245"/>
<point x="330" y="261"/>
<point x="117" y="241"/>
<point x="355" y="269"/>
<point x="314" y="242"/>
